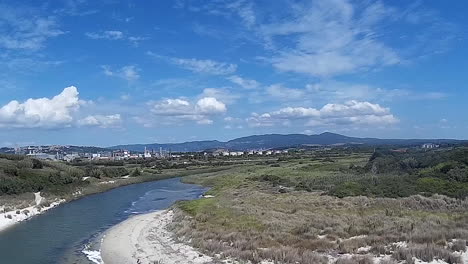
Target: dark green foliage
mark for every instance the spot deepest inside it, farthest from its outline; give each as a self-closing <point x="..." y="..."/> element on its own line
<point x="11" y="156"/>
<point x="113" y="172"/>
<point x="36" y="164"/>
<point x="274" y="180"/>
<point x="348" y="189"/>
<point x="136" y="172"/>
<point x="10" y="170"/>
<point x="21" y="175"/>
<point x="402" y="174"/>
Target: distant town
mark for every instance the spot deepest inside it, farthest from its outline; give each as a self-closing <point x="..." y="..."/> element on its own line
<point x="71" y="153"/>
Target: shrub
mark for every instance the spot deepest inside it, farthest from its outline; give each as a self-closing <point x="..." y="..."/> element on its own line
<point x="347" y="189"/>
<point x="458" y="245"/>
<point x="136" y="172"/>
<point x="37" y="164"/>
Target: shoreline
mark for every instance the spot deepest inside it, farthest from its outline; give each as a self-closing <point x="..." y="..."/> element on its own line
<point x="102" y="186"/>
<point x="145" y="238"/>
<point x="16" y="216"/>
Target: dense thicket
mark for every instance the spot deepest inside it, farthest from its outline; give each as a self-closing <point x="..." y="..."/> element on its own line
<point x="21" y="174"/>
<point x="393" y="174"/>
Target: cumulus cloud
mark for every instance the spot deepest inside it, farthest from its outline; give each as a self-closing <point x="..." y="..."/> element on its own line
<point x="128" y="73"/>
<point x="210" y="105"/>
<point x="41" y="112"/>
<point x="221" y="94"/>
<point x="102" y="121"/>
<point x="172" y="107"/>
<point x="175" y="111"/>
<point x="349" y="113"/>
<point x="244" y="83"/>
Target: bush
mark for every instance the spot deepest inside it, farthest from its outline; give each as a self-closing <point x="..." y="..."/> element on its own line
<point x="37" y="164"/>
<point x="348" y="189"/>
<point x="136" y="172"/>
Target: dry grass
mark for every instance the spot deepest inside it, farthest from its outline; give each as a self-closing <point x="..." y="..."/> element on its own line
<point x="426" y="253"/>
<point x="251" y="220"/>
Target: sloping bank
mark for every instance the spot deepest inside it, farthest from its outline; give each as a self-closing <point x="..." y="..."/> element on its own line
<point x="11" y="215"/>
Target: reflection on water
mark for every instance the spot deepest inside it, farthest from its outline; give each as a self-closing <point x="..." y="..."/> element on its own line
<point x="66" y="233"/>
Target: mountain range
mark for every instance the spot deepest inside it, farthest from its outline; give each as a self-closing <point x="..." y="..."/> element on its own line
<point x="275" y="141"/>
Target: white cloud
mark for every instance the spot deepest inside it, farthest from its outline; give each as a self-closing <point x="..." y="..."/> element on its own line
<point x="330" y="38"/>
<point x="115" y="35"/>
<point x="244" y="10"/>
<point x="199" y="65"/>
<point x="129" y="72"/>
<point x="179" y="110"/>
<point x="23" y="28"/>
<point x="283" y="93"/>
<point x="334" y="90"/>
<point x="349" y="113"/>
<point x="42" y="112"/>
<point x="205" y="66"/>
<point x="175" y="107"/>
<point x="102" y="121"/>
<point x="221" y="94"/>
<point x="109" y="34"/>
<point x="205" y="122"/>
<point x="210" y="105"/>
<point x="244" y="83"/>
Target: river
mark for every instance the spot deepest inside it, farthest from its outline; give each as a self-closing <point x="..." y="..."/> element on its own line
<point x="64" y="234"/>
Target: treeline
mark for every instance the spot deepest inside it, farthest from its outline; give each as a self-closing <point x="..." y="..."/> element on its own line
<point x="393" y="174"/>
<point x="20" y="174"/>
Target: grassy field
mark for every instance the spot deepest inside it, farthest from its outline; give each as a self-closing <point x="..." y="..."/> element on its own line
<point x="281" y="211"/>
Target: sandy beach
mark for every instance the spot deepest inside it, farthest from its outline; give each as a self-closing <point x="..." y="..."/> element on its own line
<point x="145" y="238"/>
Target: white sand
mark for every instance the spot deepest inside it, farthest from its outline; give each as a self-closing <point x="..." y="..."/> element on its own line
<point x="146" y="238"/>
<point x="7" y="219"/>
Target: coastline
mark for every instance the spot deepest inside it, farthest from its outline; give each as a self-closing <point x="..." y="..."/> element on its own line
<point x="145" y="238"/>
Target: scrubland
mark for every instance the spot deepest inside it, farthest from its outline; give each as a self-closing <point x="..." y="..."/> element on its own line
<point x="290" y="211"/>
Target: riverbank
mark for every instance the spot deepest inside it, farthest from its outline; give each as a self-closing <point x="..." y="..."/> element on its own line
<point x="14" y="216"/>
<point x="21" y="209"/>
<point x="146" y="238"/>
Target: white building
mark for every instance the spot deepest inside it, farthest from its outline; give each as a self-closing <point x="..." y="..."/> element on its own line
<point x="147" y="154"/>
<point x="429" y="146"/>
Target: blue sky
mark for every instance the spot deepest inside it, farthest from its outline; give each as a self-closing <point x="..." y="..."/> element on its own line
<point x="113" y="72"/>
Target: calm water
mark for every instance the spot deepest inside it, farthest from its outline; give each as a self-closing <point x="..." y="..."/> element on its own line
<point x="63" y="233"/>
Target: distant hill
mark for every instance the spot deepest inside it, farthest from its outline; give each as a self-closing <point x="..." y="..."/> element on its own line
<point x="278" y="141"/>
<point x="176" y="147"/>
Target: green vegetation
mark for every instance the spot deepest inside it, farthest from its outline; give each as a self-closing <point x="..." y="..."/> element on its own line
<point x="19" y="174"/>
<point x="307" y="206"/>
<point x="391" y="174"/>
